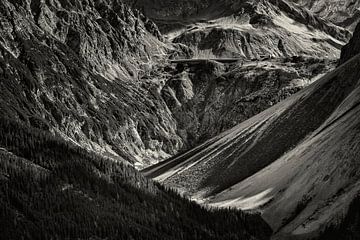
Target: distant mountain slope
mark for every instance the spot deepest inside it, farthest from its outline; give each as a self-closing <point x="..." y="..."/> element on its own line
<point x="51" y="189"/>
<point x="208" y="97"/>
<point x="342" y="13"/>
<point x="247" y="29"/>
<point x="297" y="162"/>
<point x="98" y="74"/>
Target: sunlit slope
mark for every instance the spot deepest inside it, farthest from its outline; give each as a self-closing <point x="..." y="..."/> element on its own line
<point x="311" y="185"/>
<point x="341" y="13"/>
<point x="255" y="28"/>
<point x="254" y="144"/>
<point x="297" y="162"/>
<point x="247" y="29"/>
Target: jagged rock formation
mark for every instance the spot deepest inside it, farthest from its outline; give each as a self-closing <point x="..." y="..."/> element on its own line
<point x="208" y="98"/>
<point x="80" y="79"/>
<point x="96" y="73"/>
<point x="248" y="29"/>
<point x="265" y="28"/>
<point x="342" y="13"/>
<point x="74" y="68"/>
<point x="296" y="162"/>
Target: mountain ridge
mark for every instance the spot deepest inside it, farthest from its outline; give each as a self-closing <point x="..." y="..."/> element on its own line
<point x="51" y="188"/>
<point x="90" y="92"/>
<point x="230" y="28"/>
<point x="102" y="79"/>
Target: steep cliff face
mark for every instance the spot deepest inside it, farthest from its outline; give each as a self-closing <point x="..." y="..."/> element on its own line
<point x="208" y="97"/>
<point x="73" y="67"/>
<point x="109" y="36"/>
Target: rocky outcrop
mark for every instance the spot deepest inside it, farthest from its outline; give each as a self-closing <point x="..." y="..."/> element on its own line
<point x="265" y="28"/>
<point x="208" y="98"/>
<point x="247" y="28"/>
<point x="73" y="68"/>
<point x="311" y="20"/>
<point x="253" y="43"/>
<point x="342" y="13"/>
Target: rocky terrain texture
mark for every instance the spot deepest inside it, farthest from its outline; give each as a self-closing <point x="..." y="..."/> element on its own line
<point x="97" y="73"/>
<point x="296" y="162"/>
<point x="207" y="98"/>
<point x="342" y="13"/>
<point x="88" y="90"/>
<point x="74" y="67"/>
<point x="248" y="29"/>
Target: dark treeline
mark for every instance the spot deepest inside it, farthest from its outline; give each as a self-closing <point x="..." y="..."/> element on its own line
<point x="51" y="189"/>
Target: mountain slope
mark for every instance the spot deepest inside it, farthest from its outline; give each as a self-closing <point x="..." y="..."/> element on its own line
<point x="248" y="29"/>
<point x="296" y="162"/>
<point x="51" y="189"/>
<point x="98" y="74"/>
<point x="341" y="13"/>
<point x="352" y="48"/>
<point x="348" y="228"/>
<point x="207" y="98"/>
<point x="74" y="67"/>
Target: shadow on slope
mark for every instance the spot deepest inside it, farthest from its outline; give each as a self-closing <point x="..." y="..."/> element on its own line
<point x="52" y="189"/>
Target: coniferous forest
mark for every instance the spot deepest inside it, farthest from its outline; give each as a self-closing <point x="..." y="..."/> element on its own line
<point x="51" y="189"/>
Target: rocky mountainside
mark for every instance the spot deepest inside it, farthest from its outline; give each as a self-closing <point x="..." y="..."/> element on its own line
<point x="90" y="89"/>
<point x="342" y="13"/>
<point x="296" y="162"/>
<point x="207" y="98"/>
<point x="97" y="73"/>
<point x="73" y="68"/>
<point x="81" y="101"/>
<point x="248" y="29"/>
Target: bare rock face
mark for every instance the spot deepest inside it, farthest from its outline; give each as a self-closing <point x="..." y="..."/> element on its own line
<point x="248" y="29"/>
<point x="208" y="98"/>
<point x="96" y="73"/>
<point x="106" y="34"/>
<point x="161" y="9"/>
<point x="73" y="68"/>
<point x="270" y="28"/>
<point x="342" y="13"/>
